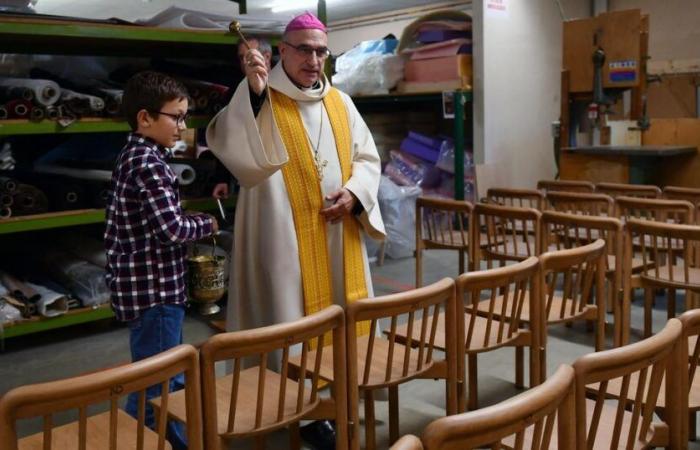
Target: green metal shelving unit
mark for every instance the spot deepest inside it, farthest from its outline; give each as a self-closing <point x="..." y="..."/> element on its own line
<point x="22" y="35"/>
<point x="461" y="101"/>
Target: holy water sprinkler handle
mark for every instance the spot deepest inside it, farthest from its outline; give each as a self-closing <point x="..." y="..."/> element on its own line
<point x="235" y="27"/>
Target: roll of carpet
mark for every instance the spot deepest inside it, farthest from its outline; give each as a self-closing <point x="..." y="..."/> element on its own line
<point x="46" y="92"/>
<point x="52" y="112"/>
<point x="81" y="174"/>
<point x="18" y="109"/>
<point x="112" y="99"/>
<point x="66" y="194"/>
<point x="18" y="288"/>
<point x="5" y="212"/>
<point x="3" y="113"/>
<point x="184" y="172"/>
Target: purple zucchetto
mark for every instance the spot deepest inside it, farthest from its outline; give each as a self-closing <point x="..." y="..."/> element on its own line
<point x="306" y="21"/>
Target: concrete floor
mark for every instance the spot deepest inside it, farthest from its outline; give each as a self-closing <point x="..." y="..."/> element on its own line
<point x="86" y="348"/>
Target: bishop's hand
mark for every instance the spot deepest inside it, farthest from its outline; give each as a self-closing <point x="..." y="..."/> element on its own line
<point x="255" y="70"/>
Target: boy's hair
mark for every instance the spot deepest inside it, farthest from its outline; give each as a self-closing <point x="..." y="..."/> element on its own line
<point x="150" y="91"/>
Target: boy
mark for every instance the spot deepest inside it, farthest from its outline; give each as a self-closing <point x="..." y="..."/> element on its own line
<point x="147" y="229"/>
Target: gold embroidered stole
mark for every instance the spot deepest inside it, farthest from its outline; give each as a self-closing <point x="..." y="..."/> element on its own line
<point x="306" y="199"/>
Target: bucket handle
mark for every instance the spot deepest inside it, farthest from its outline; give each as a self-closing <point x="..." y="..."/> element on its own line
<point x="195" y="250"/>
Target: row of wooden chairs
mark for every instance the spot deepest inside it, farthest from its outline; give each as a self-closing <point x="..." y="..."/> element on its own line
<point x="606" y="400"/>
<point x="276" y="372"/>
<point x="659" y="254"/>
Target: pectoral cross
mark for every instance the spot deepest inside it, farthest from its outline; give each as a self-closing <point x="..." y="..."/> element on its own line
<point x="320" y="165"/>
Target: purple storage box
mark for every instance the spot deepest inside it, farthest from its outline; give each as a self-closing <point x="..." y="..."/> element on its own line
<point x="430" y="141"/>
<point x="442" y="35"/>
<point x="421" y="150"/>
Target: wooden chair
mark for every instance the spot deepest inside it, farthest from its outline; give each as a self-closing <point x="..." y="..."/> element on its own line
<point x="685" y="378"/>
<point x="581" y="203"/>
<point x="505" y="242"/>
<point x="533" y="413"/>
<point x="442" y="224"/>
<point x="625" y="418"/>
<point x="691" y="195"/>
<point x="521" y="198"/>
<point x="615" y="190"/>
<point x="548" y="186"/>
<point x="679" y="269"/>
<point x="377" y="361"/>
<point x="564" y="231"/>
<point x="254" y="400"/>
<point x="572" y="285"/>
<point x="112" y="429"/>
<point x="660" y="210"/>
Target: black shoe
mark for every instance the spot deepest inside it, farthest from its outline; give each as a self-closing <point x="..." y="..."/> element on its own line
<point x="320" y="435"/>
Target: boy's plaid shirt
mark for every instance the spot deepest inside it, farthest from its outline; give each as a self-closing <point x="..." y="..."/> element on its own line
<point x="146" y="231"/>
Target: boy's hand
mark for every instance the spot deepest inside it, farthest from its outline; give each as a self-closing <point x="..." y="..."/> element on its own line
<point x="255" y="70"/>
<point x="214" y="224"/>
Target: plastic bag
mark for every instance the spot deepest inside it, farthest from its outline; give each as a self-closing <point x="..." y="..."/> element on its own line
<point x="369" y="68"/>
<point x="398" y="207"/>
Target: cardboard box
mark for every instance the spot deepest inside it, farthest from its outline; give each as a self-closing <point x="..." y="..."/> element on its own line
<point x="440" y="69"/>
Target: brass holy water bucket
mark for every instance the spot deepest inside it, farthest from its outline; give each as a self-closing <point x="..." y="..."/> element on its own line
<point x="207" y="281"/>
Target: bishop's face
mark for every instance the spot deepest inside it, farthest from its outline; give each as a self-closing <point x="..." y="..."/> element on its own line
<point x="303" y="54"/>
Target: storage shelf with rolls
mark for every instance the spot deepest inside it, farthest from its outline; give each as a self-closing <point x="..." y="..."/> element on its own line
<point x="30" y="35"/>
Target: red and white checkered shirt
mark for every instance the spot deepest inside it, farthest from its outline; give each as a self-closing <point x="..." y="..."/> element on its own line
<point x="146" y="231"/>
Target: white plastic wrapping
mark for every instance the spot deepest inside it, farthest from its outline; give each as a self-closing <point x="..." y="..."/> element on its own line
<point x="369" y="68"/>
<point x="398" y="207"/>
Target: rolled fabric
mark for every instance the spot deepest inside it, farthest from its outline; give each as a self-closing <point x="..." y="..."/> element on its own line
<point x="18" y="289"/>
<point x="18" y="109"/>
<point x="8" y="185"/>
<point x="12" y="92"/>
<point x="81" y="174"/>
<point x="52" y="112"/>
<point x="82" y="104"/>
<point x="185" y="173"/>
<point x="112" y="99"/>
<point x="5" y="212"/>
<point x="51" y="303"/>
<point x="3" y="113"/>
<point x="6" y="199"/>
<point x="37" y="113"/>
<point x="28" y="199"/>
<point x="8" y="313"/>
<point x="46" y="92"/>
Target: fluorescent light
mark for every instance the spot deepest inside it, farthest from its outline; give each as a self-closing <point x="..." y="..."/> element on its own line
<point x="284" y="6"/>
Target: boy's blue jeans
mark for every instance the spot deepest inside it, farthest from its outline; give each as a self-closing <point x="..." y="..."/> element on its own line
<point x="156" y="330"/>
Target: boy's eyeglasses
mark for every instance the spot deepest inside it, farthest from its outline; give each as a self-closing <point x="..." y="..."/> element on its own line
<point x="308" y="51"/>
<point x="180" y="119"/>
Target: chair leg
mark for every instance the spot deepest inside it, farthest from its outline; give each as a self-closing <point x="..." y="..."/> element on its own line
<point x="294" y="436"/>
<point x="473" y="400"/>
<point x="648" y="305"/>
<point x="419" y="268"/>
<point x="259" y="442"/>
<point x="671" y="303"/>
<point x="519" y="368"/>
<point x="393" y="414"/>
<point x="370" y="439"/>
<point x="461" y="262"/>
<point x="692" y="426"/>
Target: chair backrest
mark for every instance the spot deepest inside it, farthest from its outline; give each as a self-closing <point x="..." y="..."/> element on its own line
<point x="505" y="291"/>
<point x="690" y="346"/>
<point x="562" y="231"/>
<point x="512" y="234"/>
<point x="644" y="362"/>
<point x="653" y="241"/>
<point x="522" y="198"/>
<point x="103" y="390"/>
<point x="660" y="210"/>
<point x="577" y="271"/>
<point x="683" y="193"/>
<point x="581" y="203"/>
<point x="629" y="190"/>
<point x="442" y="223"/>
<point x="529" y="416"/>
<point x="565" y="185"/>
<point x="385" y="366"/>
<point x="274" y="401"/>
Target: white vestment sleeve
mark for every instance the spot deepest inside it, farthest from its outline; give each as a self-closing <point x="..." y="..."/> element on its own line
<point x="366" y="171"/>
<point x="250" y="148"/>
